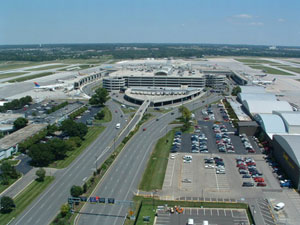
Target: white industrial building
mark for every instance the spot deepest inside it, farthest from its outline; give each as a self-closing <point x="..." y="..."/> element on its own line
<point x="252" y="89"/>
<point x="9" y="144"/>
<point x="291" y="121"/>
<point x="271" y="124"/>
<point x="256" y="96"/>
<point x="254" y="107"/>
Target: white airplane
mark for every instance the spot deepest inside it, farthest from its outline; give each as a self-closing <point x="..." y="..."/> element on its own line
<point x="48" y="87"/>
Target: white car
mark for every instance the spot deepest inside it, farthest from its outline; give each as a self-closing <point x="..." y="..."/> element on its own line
<point x="187" y="161"/>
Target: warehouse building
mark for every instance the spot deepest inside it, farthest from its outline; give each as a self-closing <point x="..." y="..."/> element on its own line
<point x="9" y="144"/>
<point x="254" y="107"/>
<point x="271" y="124"/>
<point x="287" y="153"/>
<point x="291" y="121"/>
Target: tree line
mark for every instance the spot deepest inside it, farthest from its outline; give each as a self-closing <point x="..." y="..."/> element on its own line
<point x="16" y="104"/>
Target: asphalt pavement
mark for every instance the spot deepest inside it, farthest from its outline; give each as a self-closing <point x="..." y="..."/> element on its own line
<point x="121" y="181"/>
<point x="47" y="205"/>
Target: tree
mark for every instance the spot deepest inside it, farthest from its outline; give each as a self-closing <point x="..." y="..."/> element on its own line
<point x="76" y="191"/>
<point x="59" y="148"/>
<point x="20" y="123"/>
<point x="100" y="115"/>
<point x="8" y="170"/>
<point x="41" y="173"/>
<point x="100" y="97"/>
<point x="7" y="204"/>
<point x="236" y="90"/>
<point x="64" y="209"/>
<point x="74" y="129"/>
<point x="41" y="155"/>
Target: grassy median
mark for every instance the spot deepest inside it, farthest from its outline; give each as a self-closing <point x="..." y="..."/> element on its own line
<point x="107" y="116"/>
<point x="25" y="198"/>
<point x="89" y="138"/>
<point x="20" y="79"/>
<point x="154" y="174"/>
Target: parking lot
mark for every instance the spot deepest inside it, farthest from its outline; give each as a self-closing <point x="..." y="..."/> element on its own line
<point x="213" y="216"/>
<point x="198" y="179"/>
<point x="220" y="136"/>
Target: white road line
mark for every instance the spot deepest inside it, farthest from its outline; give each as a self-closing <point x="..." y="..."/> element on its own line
<point x="84" y="179"/>
<point x="136" y="173"/>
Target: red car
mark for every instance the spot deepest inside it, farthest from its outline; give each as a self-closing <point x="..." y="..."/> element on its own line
<point x="259" y="179"/>
<point x="261" y="184"/>
<point x="144" y="129"/>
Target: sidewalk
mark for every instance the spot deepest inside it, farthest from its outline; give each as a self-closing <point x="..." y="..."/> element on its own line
<point x="13" y="190"/>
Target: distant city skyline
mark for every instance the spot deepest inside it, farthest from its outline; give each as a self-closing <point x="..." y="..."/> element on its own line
<point x="263" y="22"/>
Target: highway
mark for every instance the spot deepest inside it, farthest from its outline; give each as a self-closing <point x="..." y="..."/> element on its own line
<point x="122" y="180"/>
<point x="46" y="206"/>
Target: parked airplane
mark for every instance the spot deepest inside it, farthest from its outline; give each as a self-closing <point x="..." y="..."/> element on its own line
<point x="48" y="87"/>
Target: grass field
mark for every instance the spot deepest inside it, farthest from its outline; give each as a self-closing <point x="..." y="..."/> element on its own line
<point x="25" y="198"/>
<point x="154" y="174"/>
<point x="10" y="65"/>
<point x="10" y="182"/>
<point x="270" y="70"/>
<point x="249" y="60"/>
<point x="107" y="116"/>
<point x="293" y="69"/>
<point x="92" y="134"/>
<point x="6" y="75"/>
<point x="30" y="77"/>
<point x="46" y="67"/>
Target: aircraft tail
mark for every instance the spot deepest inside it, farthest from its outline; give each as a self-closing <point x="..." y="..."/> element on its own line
<point x="36" y="84"/>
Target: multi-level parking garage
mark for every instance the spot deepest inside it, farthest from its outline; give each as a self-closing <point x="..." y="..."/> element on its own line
<point x="169" y="83"/>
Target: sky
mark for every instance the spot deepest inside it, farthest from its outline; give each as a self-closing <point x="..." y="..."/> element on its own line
<point x="258" y="22"/>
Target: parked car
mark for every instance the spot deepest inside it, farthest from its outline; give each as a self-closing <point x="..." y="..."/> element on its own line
<point x="248" y="184"/>
<point x="261" y="184"/>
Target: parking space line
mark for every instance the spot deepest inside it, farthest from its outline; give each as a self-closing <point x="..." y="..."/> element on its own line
<point x="204" y="212"/>
<point x="231" y="213"/>
<point x="218" y="212"/>
<point x="211" y="212"/>
<point x="224" y="212"/>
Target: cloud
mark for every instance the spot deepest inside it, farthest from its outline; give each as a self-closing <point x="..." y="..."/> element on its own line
<point x="256" y="23"/>
<point x="243" y="16"/>
<point x="281" y="20"/>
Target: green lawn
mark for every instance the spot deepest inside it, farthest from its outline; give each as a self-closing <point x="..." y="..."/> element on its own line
<point x="293" y="69"/>
<point x="6" y="75"/>
<point x="46" y="67"/>
<point x="10" y="65"/>
<point x="90" y="137"/>
<point x="10" y="182"/>
<point x="107" y="116"/>
<point x="249" y="60"/>
<point x="154" y="174"/>
<point x="30" y="77"/>
<point x="271" y="70"/>
<point x="25" y="198"/>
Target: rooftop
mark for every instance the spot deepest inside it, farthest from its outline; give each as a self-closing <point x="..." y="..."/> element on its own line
<point x="20" y="135"/>
<point x="291" y="118"/>
<point x="291" y="144"/>
<point x="253" y="89"/>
